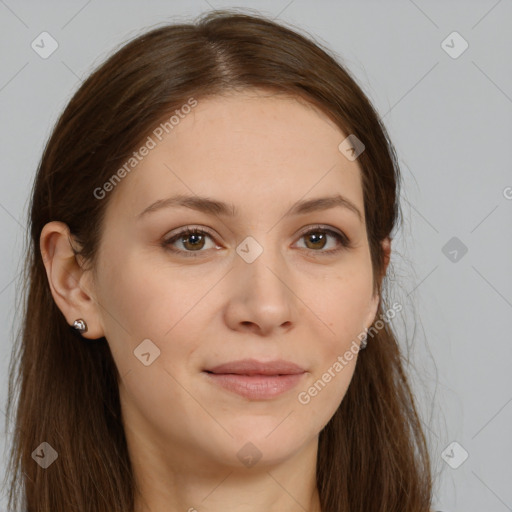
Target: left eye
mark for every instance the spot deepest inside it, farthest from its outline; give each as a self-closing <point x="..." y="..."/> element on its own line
<point x="193" y="240"/>
<point x="320" y="235"/>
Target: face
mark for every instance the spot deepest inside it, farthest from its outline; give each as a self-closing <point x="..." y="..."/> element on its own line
<point x="257" y="280"/>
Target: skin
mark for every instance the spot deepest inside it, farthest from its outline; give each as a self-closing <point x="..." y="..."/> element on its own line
<point x="262" y="153"/>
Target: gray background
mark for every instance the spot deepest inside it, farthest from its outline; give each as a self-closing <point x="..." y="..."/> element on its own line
<point x="450" y="120"/>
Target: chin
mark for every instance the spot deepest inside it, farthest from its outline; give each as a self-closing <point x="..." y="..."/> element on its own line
<point x="266" y="439"/>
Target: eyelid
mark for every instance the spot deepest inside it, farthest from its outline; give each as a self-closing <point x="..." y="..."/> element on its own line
<point x="322" y="227"/>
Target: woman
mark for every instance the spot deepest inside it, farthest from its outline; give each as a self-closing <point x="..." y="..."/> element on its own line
<point x="210" y="232"/>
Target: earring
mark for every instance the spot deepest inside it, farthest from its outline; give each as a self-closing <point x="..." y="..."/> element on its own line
<point x="364" y="342"/>
<point x="80" y="325"/>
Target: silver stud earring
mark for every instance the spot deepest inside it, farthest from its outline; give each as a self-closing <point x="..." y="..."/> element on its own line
<point x="80" y="325"/>
<point x="364" y="342"/>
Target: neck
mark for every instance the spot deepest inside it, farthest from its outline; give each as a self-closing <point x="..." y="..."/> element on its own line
<point x="194" y="484"/>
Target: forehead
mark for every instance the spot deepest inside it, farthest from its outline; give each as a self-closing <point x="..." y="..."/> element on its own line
<point x="243" y="148"/>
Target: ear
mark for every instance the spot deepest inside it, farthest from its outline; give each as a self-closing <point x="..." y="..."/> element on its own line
<point x="386" y="249"/>
<point x="70" y="284"/>
<point x="374" y="301"/>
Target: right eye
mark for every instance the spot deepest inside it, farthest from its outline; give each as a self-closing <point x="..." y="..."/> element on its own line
<point x="191" y="238"/>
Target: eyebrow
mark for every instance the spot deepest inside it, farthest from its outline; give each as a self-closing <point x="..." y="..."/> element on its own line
<point x="211" y="206"/>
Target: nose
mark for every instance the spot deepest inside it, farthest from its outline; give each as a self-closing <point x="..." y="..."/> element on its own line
<point x="261" y="296"/>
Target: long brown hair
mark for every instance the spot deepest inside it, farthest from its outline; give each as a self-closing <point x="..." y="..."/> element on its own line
<point x="372" y="453"/>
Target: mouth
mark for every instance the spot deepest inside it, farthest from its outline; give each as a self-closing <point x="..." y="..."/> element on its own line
<point x="256" y="380"/>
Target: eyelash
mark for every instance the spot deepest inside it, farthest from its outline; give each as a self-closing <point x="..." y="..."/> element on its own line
<point x="191" y="230"/>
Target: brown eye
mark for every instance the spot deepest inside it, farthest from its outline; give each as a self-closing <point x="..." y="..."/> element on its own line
<point x="192" y="241"/>
<point x="317" y="239"/>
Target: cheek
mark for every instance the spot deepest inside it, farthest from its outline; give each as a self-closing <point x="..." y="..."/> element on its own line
<point x="343" y="303"/>
<point x="146" y="299"/>
<point x="141" y="302"/>
<point x="320" y="397"/>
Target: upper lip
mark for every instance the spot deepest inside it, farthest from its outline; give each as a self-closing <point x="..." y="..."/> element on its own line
<point x="255" y="367"/>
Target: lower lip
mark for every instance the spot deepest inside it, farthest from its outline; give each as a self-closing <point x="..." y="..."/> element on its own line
<point x="256" y="387"/>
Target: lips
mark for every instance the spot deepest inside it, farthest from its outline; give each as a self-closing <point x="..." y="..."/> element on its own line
<point x="254" y="367"/>
<point x="256" y="380"/>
